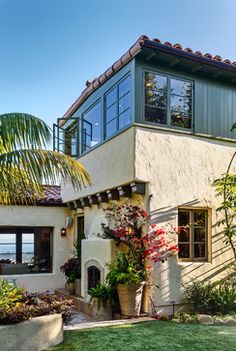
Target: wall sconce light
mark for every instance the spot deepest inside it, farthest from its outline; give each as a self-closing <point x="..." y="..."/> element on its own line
<point x="63" y="231"/>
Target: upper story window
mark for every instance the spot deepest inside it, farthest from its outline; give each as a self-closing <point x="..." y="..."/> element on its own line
<point x="168" y="100"/>
<point x="193" y="235"/>
<point x="118" y="107"/>
<point x="92" y="126"/>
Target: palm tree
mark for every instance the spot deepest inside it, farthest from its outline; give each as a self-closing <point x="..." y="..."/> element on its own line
<point x="25" y="163"/>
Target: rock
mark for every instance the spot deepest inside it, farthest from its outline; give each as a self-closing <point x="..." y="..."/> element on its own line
<point x="219" y="321"/>
<point x="205" y="319"/>
<point x="175" y="320"/>
<point x="230" y="321"/>
<point x="190" y="320"/>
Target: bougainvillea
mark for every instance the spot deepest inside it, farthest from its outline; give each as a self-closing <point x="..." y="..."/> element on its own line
<point x="146" y="242"/>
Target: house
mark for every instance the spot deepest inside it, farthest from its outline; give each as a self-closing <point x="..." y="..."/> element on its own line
<point x="154" y="129"/>
<point x="154" y="126"/>
<point x="32" y="248"/>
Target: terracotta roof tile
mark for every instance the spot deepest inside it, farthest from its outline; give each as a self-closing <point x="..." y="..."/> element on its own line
<point x="132" y="52"/>
<point x="52" y="196"/>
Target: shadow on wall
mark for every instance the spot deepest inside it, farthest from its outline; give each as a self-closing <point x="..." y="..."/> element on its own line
<point x="173" y="275"/>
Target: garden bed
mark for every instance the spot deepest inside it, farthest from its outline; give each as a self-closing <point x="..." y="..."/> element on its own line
<point x="34" y="335"/>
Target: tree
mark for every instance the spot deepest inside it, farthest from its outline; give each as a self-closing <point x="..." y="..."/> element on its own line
<point x="226" y="187"/>
<point x="25" y="163"/>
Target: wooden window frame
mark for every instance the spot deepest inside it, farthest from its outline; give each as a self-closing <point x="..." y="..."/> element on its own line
<point x="207" y="257"/>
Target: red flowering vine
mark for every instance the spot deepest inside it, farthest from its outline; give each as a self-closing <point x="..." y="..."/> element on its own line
<point x="128" y="225"/>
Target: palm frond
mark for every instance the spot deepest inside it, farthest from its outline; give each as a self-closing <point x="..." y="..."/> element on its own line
<point x="21" y="130"/>
<point x="37" y="166"/>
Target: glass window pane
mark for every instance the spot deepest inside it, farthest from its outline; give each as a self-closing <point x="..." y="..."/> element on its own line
<point x="111" y="128"/>
<point x="184" y="251"/>
<point x="183" y="218"/>
<point x="199" y="250"/>
<point x="124" y="103"/>
<point x="184" y="234"/>
<point x="111" y="113"/>
<point x="181" y="120"/>
<point x="124" y="86"/>
<point x="181" y="104"/>
<point x="200" y="218"/>
<point x="155" y="98"/>
<point x="42" y="260"/>
<point x="92" y="127"/>
<point x="155" y="82"/>
<point x="125" y="119"/>
<point x="7" y="248"/>
<point x="199" y="235"/>
<point x="155" y="115"/>
<point x="181" y="87"/>
<point x="111" y="97"/>
<point x="27" y="247"/>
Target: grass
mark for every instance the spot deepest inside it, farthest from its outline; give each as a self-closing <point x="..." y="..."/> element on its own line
<point x="154" y="335"/>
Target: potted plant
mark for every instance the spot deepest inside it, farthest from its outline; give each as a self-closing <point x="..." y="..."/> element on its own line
<point x="129" y="280"/>
<point x="102" y="301"/>
<point x="71" y="269"/>
<point x="131" y="268"/>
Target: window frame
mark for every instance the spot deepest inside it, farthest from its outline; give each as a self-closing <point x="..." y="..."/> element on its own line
<point x="191" y="211"/>
<point x="19" y="231"/>
<point x="168" y="93"/>
<point x="118" y="113"/>
<point x="83" y="146"/>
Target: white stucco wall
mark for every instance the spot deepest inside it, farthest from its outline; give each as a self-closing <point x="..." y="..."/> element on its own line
<point x="109" y="165"/>
<point x="180" y="170"/>
<point x="62" y="246"/>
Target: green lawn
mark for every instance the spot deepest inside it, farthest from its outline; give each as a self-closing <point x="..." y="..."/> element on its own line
<point x="156" y="335"/>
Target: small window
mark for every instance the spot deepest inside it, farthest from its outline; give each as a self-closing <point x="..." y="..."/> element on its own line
<point x="118" y="107"/>
<point x="92" y="127"/>
<point x="193" y="235"/>
<point x="167" y="100"/>
<point x="25" y="250"/>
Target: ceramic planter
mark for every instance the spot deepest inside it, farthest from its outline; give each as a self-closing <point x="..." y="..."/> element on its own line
<point x="130" y="297"/>
<point x="70" y="287"/>
<point x="102" y="310"/>
<point x="78" y="287"/>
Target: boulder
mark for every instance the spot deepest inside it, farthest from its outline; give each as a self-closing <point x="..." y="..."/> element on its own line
<point x="205" y="319"/>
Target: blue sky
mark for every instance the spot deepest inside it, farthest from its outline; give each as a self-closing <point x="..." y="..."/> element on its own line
<point x="49" y="48"/>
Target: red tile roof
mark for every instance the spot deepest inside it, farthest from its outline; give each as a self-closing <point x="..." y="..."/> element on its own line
<point x="142" y="42"/>
<point x="52" y="196"/>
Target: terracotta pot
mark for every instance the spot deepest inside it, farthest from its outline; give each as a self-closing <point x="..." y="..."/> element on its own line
<point x="70" y="287"/>
<point x="130" y="297"/>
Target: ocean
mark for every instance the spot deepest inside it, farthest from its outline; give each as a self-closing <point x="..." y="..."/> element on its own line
<point x="8" y="251"/>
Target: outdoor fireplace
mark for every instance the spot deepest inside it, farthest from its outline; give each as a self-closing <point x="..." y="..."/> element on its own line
<point x="94" y="274"/>
<point x="94" y="277"/>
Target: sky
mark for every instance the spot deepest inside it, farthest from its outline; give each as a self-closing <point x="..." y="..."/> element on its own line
<point x="49" y="48"/>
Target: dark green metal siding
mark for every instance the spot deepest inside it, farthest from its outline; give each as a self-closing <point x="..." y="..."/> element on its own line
<point x="214" y="108"/>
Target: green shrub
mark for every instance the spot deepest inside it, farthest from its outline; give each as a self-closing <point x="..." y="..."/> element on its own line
<point x="212" y="298"/>
<point x="10" y="295"/>
<point x="17" y="305"/>
<point x="123" y="270"/>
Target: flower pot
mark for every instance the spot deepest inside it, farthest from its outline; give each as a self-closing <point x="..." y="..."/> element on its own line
<point x="70" y="287"/>
<point x="130" y="297"/>
<point x="102" y="310"/>
<point x="78" y="287"/>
